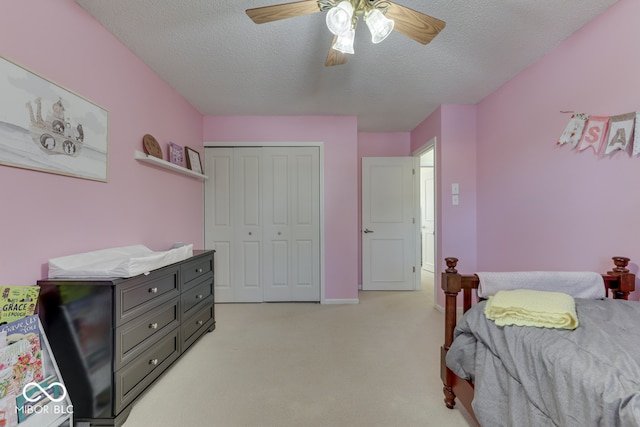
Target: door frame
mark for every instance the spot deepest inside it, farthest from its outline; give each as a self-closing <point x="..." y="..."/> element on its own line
<point x="430" y="144"/>
<point x="320" y="146"/>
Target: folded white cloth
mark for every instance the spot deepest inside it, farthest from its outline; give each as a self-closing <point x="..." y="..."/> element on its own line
<point x="126" y="261"/>
<point x="526" y="307"/>
<point x="578" y="284"/>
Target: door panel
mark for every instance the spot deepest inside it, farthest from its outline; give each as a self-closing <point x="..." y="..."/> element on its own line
<point x="247" y="171"/>
<point x="291" y="205"/>
<point x="305" y="218"/>
<point x="388" y="224"/>
<point x="218" y="219"/>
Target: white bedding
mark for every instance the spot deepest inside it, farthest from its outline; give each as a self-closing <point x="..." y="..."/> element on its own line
<point x="578" y="284"/>
<point x="126" y="261"/>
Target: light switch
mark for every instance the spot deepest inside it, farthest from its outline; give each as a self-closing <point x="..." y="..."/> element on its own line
<point x="455" y="188"/>
<point x="454" y="200"/>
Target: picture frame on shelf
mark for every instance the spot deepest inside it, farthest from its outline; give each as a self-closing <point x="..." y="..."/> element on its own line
<point x="193" y="160"/>
<point x="176" y="154"/>
<point x="58" y="132"/>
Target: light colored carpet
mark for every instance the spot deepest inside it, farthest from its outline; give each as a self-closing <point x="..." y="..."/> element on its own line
<point x="307" y="365"/>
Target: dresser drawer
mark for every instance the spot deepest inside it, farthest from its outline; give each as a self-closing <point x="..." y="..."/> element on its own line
<point x="145" y="292"/>
<point x="141" y="372"/>
<point x="134" y="337"/>
<point x="195" y="269"/>
<point x="191" y="299"/>
<point x="197" y="324"/>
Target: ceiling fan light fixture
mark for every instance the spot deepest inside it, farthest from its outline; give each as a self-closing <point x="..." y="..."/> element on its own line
<point x="379" y="25"/>
<point x="339" y="18"/>
<point x="344" y="43"/>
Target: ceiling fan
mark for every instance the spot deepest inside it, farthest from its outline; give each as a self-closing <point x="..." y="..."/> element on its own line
<point x="381" y="16"/>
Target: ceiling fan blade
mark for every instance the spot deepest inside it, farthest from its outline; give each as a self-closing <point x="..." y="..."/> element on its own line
<point x="335" y="57"/>
<point x="418" y="26"/>
<point x="260" y="15"/>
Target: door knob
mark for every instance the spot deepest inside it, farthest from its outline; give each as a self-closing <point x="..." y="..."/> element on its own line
<point x="366" y="230"/>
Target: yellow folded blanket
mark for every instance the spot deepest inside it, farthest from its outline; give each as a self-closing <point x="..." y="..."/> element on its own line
<point x="526" y="307"/>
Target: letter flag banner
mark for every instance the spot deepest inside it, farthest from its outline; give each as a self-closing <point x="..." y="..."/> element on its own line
<point x="594" y="133"/>
<point x="573" y="131"/>
<point x="615" y="133"/>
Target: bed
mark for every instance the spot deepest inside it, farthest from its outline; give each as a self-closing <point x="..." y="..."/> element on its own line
<point x="539" y="376"/>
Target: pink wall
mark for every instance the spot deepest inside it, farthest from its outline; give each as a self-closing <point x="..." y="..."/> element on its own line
<point x="454" y="127"/>
<point x="340" y="137"/>
<point x="390" y="144"/>
<point x="44" y="215"/>
<point x="458" y="165"/>
<point x="540" y="206"/>
<point x="520" y="195"/>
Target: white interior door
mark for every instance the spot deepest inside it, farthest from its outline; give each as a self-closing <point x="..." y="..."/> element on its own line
<point x="291" y="236"/>
<point x="388" y="224"/>
<point x="219" y="219"/>
<point x="427" y="221"/>
<point x="262" y="216"/>
<point x="247" y="210"/>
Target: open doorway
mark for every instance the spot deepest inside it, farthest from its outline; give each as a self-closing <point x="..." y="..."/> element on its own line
<point x="426" y="160"/>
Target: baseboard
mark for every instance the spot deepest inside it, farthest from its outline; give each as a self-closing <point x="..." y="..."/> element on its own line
<point x="341" y="301"/>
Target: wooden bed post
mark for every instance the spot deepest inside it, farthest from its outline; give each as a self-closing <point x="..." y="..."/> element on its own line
<point x="627" y="280"/>
<point x="451" y="284"/>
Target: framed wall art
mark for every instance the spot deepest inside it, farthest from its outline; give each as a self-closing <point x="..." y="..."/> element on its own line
<point x="193" y="160"/>
<point x="48" y="128"/>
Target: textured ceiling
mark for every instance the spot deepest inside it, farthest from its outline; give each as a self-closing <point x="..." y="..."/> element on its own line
<point x="223" y="64"/>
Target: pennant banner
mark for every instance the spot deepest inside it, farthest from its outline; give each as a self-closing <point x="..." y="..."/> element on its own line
<point x="615" y="133"/>
<point x="573" y="131"/>
<point x="595" y="132"/>
<point x="620" y="131"/>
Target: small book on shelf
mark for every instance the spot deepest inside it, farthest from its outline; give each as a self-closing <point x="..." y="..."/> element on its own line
<point x="17" y="302"/>
<point x="20" y="355"/>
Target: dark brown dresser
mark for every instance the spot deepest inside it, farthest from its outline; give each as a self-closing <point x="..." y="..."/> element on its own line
<point x="112" y="338"/>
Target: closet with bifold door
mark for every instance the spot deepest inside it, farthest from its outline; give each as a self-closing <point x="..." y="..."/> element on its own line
<point x="262" y="216"/>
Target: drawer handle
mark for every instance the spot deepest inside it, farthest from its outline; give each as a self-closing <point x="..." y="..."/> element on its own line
<point x="153" y="326"/>
<point x="199" y="296"/>
<point x="198" y="270"/>
<point x="153" y="362"/>
<point x="153" y="290"/>
<point x="199" y="322"/>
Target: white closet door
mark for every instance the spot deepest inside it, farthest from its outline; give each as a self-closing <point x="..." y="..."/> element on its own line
<point x="291" y="238"/>
<point x="247" y="211"/>
<point x="219" y="218"/>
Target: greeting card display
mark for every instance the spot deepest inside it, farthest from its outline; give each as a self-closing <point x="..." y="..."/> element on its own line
<point x="176" y="154"/>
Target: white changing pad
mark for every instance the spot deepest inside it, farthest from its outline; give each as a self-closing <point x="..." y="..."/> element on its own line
<point x="126" y="261"/>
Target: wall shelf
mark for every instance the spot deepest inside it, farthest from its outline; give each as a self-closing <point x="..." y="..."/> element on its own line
<point x="167" y="165"/>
